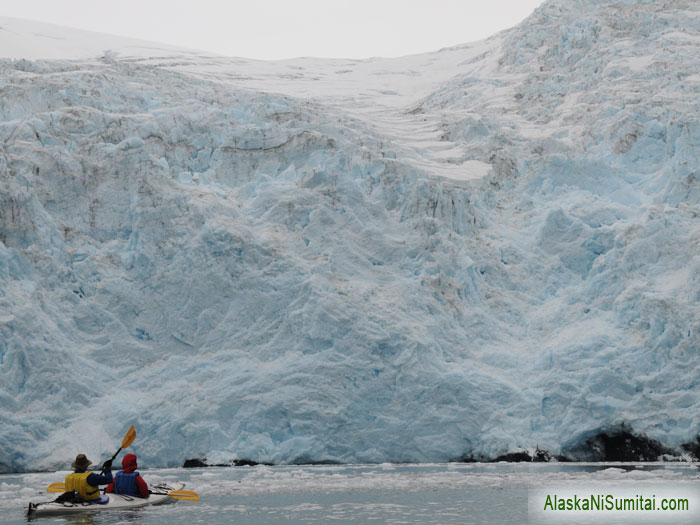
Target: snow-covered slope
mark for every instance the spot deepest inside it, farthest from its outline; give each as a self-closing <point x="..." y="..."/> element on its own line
<point x="31" y="40"/>
<point x="465" y="253"/>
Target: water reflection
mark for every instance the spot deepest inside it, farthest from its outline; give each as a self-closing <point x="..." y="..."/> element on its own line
<point x="80" y="520"/>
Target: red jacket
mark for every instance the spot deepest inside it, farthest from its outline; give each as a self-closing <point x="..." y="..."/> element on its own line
<point x="128" y="466"/>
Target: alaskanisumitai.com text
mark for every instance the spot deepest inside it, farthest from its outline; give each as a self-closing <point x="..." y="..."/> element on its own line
<point x="608" y="502"/>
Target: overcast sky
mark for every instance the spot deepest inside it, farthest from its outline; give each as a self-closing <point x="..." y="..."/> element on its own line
<point x="274" y="29"/>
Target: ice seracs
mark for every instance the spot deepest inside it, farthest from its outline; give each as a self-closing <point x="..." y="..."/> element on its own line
<point x="477" y="251"/>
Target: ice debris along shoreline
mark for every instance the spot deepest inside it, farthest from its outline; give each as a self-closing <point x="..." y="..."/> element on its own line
<point x="488" y="249"/>
<point x="614" y="445"/>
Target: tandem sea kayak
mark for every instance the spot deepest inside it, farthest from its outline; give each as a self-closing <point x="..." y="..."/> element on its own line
<point x="159" y="496"/>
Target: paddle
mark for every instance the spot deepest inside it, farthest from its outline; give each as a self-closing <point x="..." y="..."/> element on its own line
<point x="185" y="495"/>
<point x="128" y="440"/>
<point x="56" y="487"/>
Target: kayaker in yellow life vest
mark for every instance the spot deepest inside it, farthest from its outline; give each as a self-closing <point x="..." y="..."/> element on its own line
<point x="86" y="483"/>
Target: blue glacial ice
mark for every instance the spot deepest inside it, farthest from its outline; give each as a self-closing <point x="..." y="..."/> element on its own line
<point x="243" y="267"/>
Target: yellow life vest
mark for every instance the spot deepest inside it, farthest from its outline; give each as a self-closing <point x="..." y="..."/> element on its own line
<point x="77" y="481"/>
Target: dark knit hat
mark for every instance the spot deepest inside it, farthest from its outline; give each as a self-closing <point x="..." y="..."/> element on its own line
<point x="81" y="462"/>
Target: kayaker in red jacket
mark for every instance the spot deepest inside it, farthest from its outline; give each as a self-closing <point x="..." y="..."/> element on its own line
<point x="128" y="481"/>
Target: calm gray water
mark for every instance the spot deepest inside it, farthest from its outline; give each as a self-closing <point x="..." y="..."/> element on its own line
<point x="444" y="493"/>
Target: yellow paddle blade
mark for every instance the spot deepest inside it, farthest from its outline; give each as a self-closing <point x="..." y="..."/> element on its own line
<point x="129" y="438"/>
<point x="186" y="495"/>
<point x="56" y="487"/>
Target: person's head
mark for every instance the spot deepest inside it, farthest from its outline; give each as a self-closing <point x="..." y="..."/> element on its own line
<point x="129" y="463"/>
<point x="81" y="463"/>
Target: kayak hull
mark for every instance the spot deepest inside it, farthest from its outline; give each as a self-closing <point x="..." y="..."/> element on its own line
<point x="116" y="502"/>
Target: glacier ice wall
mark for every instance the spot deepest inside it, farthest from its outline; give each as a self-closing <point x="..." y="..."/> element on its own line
<point x="249" y="274"/>
<point x="231" y="257"/>
<point x="593" y="121"/>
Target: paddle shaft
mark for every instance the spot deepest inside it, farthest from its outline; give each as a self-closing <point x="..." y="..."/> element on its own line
<point x="128" y="440"/>
<point x="113" y="458"/>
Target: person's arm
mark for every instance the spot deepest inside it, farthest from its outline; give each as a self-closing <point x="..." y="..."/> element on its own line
<point x="99" y="479"/>
<point x="143" y="488"/>
<point x="110" y="488"/>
